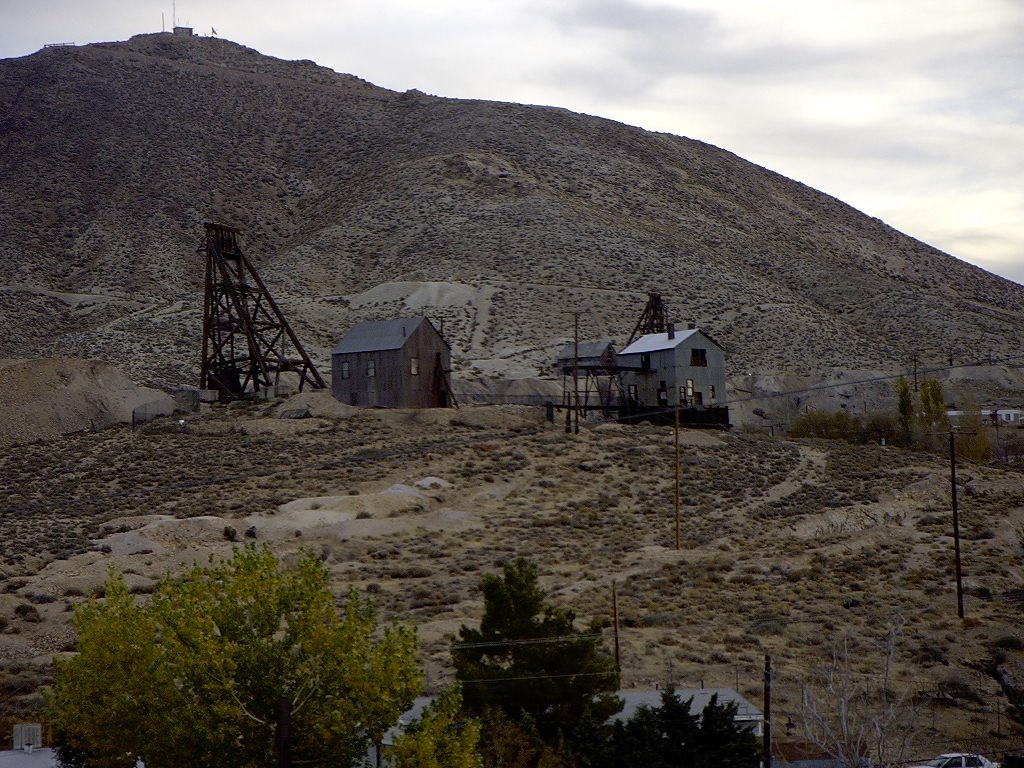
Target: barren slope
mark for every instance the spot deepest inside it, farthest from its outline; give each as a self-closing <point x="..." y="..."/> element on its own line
<point x="112" y="156"/>
<point x="787" y="547"/>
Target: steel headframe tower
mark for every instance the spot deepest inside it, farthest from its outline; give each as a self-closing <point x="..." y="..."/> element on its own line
<point x="245" y="336"/>
<point x="654" y="318"/>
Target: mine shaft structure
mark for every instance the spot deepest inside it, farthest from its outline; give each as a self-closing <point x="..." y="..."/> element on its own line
<point x="245" y="335"/>
<point x="597" y="379"/>
<point x="600" y="370"/>
<point x="654" y="318"/>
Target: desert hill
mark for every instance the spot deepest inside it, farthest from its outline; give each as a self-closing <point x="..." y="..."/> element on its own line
<point x="358" y="202"/>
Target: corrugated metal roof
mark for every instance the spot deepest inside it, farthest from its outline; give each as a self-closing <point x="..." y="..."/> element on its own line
<point x="654" y="342"/>
<point x="379" y="335"/>
<point x="634" y="699"/>
<point x="586" y="349"/>
<point x="38" y="758"/>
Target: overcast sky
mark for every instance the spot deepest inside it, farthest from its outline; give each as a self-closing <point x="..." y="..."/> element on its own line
<point x="909" y="110"/>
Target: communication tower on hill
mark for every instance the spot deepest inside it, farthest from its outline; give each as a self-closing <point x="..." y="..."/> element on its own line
<point x="245" y="336"/>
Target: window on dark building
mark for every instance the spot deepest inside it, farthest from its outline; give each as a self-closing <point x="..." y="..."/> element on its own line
<point x="371" y="368"/>
<point x="414" y="366"/>
<point x="698" y="358"/>
<point x="345" y="369"/>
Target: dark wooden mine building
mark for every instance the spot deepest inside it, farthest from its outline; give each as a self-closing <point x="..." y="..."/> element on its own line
<point x="401" y="363"/>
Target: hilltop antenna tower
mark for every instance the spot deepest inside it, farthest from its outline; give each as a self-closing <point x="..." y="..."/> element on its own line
<point x="654" y="318"/>
<point x="245" y="335"/>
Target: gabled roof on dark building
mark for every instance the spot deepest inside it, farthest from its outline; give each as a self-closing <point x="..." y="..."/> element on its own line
<point x="380" y="335"/>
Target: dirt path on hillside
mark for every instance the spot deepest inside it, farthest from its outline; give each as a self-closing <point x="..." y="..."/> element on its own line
<point x="483" y="317"/>
<point x="809" y="470"/>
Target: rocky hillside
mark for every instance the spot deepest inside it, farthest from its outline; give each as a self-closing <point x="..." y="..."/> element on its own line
<point x="358" y="202"/>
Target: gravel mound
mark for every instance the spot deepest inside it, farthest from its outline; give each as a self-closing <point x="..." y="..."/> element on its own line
<point x="45" y="398"/>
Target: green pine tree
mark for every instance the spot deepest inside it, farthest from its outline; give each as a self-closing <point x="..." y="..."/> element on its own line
<point x="528" y="659"/>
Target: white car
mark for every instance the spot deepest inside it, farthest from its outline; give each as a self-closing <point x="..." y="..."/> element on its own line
<point x="958" y="760"/>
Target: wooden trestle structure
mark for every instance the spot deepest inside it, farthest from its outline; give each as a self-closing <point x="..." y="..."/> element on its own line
<point x="245" y="335"/>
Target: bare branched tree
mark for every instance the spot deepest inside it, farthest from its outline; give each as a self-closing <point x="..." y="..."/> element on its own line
<point x="859" y="718"/>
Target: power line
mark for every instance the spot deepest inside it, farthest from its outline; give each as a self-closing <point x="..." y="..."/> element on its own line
<point x="537" y="677"/>
<point x="854" y="382"/>
<point x="873" y="379"/>
<point x="367" y="455"/>
<point x="528" y="641"/>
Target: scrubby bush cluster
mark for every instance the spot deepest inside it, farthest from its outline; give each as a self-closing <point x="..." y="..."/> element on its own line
<point x="923" y="428"/>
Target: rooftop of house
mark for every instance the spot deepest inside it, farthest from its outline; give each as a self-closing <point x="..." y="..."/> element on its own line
<point x="379" y="335"/>
<point x="654" y="342"/>
<point x="633" y="699"/>
<point x="39" y="758"/>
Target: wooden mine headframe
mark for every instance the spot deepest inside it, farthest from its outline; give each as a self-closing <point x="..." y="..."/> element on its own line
<point x="653" y="320"/>
<point x="245" y="335"/>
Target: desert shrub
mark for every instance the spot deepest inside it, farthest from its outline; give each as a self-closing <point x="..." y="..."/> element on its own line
<point x="28" y="612"/>
<point x="957" y="688"/>
<point x="929" y="654"/>
<point x="973" y="443"/>
<point x="410" y="572"/>
<point x="661" y="619"/>
<point x="881" y="426"/>
<point x="1009" y="643"/>
<point x="842" y="425"/>
<point x="838" y="425"/>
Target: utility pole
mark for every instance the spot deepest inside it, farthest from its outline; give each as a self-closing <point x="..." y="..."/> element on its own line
<point x="576" y="370"/>
<point x="677" y="476"/>
<point x="615" y="623"/>
<point x="915" y="371"/>
<point x="567" y="402"/>
<point x="766" y="745"/>
<point x="956" y="524"/>
<point x="283" y="737"/>
<point x="572" y="405"/>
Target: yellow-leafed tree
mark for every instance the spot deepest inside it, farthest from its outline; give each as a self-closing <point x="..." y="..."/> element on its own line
<point x="197" y="677"/>
<point x="441" y="738"/>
